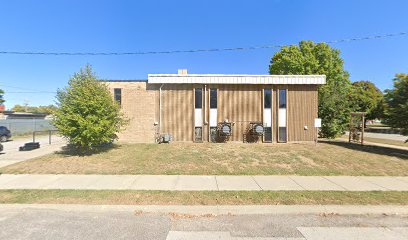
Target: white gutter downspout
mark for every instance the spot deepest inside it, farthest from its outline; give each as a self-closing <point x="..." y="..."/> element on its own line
<point x="205" y="105"/>
<point x="160" y="107"/>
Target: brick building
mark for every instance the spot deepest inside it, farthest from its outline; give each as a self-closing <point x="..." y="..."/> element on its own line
<point x="191" y="107"/>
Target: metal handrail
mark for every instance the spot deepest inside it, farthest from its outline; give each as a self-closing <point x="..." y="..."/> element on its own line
<point x="49" y="134"/>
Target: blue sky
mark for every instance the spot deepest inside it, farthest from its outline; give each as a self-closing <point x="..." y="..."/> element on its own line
<point x="123" y="26"/>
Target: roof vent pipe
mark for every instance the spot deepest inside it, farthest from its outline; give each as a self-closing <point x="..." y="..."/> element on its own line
<point x="182" y="72"/>
<point x="160" y="108"/>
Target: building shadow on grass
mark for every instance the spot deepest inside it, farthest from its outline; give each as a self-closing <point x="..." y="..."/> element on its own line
<point x="380" y="150"/>
<point x="70" y="150"/>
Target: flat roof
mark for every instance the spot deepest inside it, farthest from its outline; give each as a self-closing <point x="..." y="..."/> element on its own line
<point x="126" y="80"/>
<point x="24" y="114"/>
<point x="235" y="79"/>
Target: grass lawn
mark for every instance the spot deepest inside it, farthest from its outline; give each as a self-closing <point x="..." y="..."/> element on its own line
<point x="200" y="198"/>
<point x="329" y="158"/>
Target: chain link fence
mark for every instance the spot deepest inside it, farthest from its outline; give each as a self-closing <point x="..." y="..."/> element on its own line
<point x="20" y="127"/>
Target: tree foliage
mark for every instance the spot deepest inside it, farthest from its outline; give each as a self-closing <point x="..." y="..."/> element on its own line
<point x="87" y="115"/>
<point x="310" y="58"/>
<point x="1" y="96"/>
<point x="32" y="109"/>
<point x="396" y="112"/>
<point x="366" y="97"/>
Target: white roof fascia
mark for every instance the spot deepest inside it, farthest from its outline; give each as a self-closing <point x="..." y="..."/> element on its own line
<point x="236" y="79"/>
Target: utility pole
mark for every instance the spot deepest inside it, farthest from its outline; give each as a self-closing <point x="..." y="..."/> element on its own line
<point x="26" y="101"/>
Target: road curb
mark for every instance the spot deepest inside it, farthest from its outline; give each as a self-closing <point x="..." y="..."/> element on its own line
<point x="222" y="209"/>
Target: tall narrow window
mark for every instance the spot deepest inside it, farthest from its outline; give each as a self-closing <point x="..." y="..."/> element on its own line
<point x="198" y="115"/>
<point x="117" y="92"/>
<point x="267" y="98"/>
<point x="198" y="98"/>
<point x="282" y="98"/>
<point x="213" y="98"/>
<point x="267" y="114"/>
<point x="213" y="114"/>
<point x="282" y="116"/>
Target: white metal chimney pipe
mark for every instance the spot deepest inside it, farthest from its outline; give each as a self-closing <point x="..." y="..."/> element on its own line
<point x="160" y="108"/>
<point x="205" y="105"/>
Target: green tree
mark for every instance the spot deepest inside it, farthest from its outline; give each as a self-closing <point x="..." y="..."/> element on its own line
<point x="311" y="58"/>
<point x="1" y="96"/>
<point x="32" y="109"/>
<point x="18" y="108"/>
<point x="396" y="112"/>
<point x="87" y="115"/>
<point x="366" y="97"/>
<point x="49" y="109"/>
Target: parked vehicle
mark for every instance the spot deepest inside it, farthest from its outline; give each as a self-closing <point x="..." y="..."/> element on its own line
<point x="5" y="134"/>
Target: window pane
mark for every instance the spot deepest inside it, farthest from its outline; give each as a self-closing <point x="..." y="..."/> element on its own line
<point x="118" y="95"/>
<point x="282" y="98"/>
<point x="268" y="134"/>
<point x="198" y="98"/>
<point x="282" y="134"/>
<point x="267" y="98"/>
<point x="198" y="134"/>
<point x="213" y="134"/>
<point x="282" y="117"/>
<point x="213" y="98"/>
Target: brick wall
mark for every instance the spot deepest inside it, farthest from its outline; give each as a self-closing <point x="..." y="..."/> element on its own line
<point x="238" y="103"/>
<point x="138" y="105"/>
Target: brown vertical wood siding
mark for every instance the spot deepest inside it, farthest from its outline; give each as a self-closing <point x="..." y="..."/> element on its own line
<point x="302" y="110"/>
<point x="240" y="104"/>
<point x="237" y="103"/>
<point x="178" y="111"/>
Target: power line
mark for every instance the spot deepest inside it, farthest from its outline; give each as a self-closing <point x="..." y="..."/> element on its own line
<point x="26" y="90"/>
<point x="30" y="92"/>
<point x="20" y="88"/>
<point x="194" y="50"/>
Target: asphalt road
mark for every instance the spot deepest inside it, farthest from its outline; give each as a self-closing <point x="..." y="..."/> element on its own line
<point x="385" y="136"/>
<point x="395" y="137"/>
<point x="62" y="224"/>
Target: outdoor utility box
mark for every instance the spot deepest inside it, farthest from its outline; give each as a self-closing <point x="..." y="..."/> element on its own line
<point x="166" y="138"/>
<point x="30" y="146"/>
<point x="257" y="128"/>
<point x="225" y="128"/>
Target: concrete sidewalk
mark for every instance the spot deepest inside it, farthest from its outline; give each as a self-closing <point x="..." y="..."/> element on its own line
<point x="203" y="183"/>
<point x="11" y="153"/>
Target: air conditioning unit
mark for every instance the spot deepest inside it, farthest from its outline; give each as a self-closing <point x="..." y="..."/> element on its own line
<point x="257" y="128"/>
<point x="165" y="138"/>
<point x="225" y="129"/>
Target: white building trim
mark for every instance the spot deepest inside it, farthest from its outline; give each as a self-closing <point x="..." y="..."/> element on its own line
<point x="235" y="79"/>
